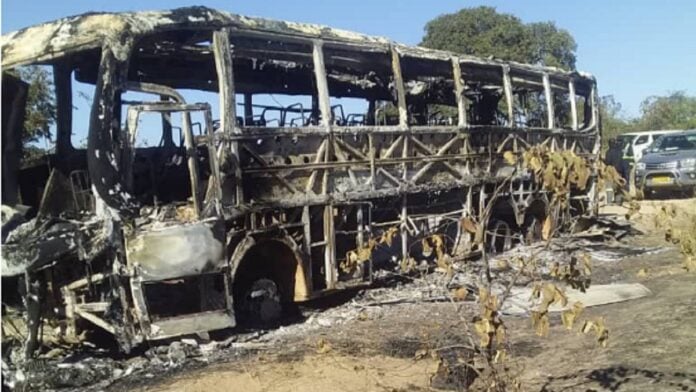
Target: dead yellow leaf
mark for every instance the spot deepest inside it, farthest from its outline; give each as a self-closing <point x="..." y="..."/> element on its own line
<point x="468" y="225"/>
<point x="540" y="322"/>
<point x="536" y="291"/>
<point x="510" y="157"/>
<point x="362" y="316"/>
<point x="388" y="236"/>
<point x="420" y="354"/>
<point x="460" y="294"/>
<point x="550" y="294"/>
<point x="597" y="326"/>
<point x="500" y="334"/>
<point x="586" y="263"/>
<point x="323" y="346"/>
<point x="407" y="264"/>
<point x="547" y="228"/>
<point x="500" y="356"/>
<point x="503" y="264"/>
<point x="484" y="328"/>
<point x="690" y="263"/>
<point x="587" y="326"/>
<point x="483" y="294"/>
<point x="570" y="315"/>
<point x="427" y="249"/>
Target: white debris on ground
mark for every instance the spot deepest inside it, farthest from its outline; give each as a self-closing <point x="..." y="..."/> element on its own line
<point x="518" y="303"/>
<point x="599" y="251"/>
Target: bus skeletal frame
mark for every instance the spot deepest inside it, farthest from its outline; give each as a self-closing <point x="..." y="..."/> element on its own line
<point x="231" y="223"/>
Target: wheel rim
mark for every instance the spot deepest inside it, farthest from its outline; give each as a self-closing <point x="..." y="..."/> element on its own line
<point x="262" y="302"/>
<point x="500" y="237"/>
<point x="533" y="232"/>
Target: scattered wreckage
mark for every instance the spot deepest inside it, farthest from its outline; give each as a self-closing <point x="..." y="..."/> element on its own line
<point x="229" y="220"/>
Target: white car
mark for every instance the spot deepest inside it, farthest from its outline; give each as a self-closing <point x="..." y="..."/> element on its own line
<point x="635" y="143"/>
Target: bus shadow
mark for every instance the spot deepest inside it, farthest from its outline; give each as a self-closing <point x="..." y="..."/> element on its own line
<point x="621" y="378"/>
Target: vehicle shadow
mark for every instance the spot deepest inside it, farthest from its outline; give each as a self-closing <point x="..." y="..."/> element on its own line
<point x="668" y="195"/>
<point x="621" y="378"/>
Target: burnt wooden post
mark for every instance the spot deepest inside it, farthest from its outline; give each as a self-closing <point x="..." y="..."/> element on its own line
<point x="459" y="92"/>
<point x="403" y="124"/>
<point x="64" y="107"/>
<point x="400" y="90"/>
<point x="33" y="315"/>
<point x="573" y="105"/>
<point x="507" y="86"/>
<point x="549" y="102"/>
<point x="325" y="110"/>
<point x="228" y="105"/>
<point x="167" y="134"/>
<point x="248" y="109"/>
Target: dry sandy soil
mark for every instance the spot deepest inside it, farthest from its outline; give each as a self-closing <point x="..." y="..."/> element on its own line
<point x="652" y="344"/>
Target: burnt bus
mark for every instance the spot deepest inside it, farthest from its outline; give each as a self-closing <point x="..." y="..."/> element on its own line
<point x="241" y="204"/>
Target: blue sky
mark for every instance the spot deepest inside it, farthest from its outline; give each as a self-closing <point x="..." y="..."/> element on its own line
<point x="635" y="48"/>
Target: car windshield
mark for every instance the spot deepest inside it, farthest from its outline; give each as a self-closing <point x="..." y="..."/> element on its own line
<point x="675" y="143"/>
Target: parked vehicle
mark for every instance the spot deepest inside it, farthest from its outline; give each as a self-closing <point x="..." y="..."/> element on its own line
<point x="638" y="142"/>
<point x="669" y="164"/>
<point x="628" y="148"/>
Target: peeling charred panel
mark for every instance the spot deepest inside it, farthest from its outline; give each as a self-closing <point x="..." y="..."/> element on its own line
<point x="36" y="245"/>
<point x="101" y="157"/>
<point x="175" y="251"/>
<point x="58" y="196"/>
<point x="14" y="96"/>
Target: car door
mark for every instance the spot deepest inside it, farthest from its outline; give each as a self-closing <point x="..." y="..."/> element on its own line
<point x="639" y="145"/>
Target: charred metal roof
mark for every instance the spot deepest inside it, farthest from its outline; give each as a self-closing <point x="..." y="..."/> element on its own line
<point x="52" y="40"/>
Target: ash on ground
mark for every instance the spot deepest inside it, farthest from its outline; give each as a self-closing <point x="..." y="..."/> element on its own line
<point x="91" y="367"/>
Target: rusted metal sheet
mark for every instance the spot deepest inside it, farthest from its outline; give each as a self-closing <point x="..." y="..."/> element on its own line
<point x="175" y="251"/>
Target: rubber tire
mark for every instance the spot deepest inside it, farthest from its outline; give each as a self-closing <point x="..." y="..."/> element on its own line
<point x="261" y="304"/>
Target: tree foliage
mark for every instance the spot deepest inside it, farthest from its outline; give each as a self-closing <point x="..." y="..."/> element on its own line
<point x="674" y="111"/>
<point x="613" y="121"/>
<point x="40" y="108"/>
<point x="41" y="104"/>
<point x="484" y="32"/>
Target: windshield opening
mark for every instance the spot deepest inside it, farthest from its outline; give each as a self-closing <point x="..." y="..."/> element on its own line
<point x="675" y="143"/>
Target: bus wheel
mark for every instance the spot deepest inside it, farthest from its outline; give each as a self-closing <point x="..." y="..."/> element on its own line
<point x="261" y="303"/>
<point x="533" y="228"/>
<point x="499" y="237"/>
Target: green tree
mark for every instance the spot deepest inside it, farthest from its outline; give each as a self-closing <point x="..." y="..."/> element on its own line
<point x="674" y="111"/>
<point x="552" y="46"/>
<point x="484" y="32"/>
<point x="40" y="109"/>
<point x="614" y="122"/>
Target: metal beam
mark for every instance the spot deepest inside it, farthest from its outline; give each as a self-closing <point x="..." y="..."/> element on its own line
<point x="322" y="85"/>
<point x="573" y="105"/>
<point x="549" y="102"/>
<point x="400" y="90"/>
<point x="507" y="86"/>
<point x="228" y="106"/>
<point x="459" y="92"/>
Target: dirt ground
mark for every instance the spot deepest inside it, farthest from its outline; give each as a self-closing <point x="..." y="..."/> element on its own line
<point x="652" y="343"/>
